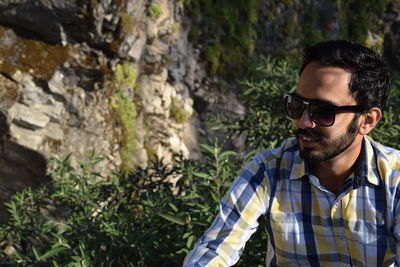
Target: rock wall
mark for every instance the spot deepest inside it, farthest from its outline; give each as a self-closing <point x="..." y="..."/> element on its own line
<point x="58" y="91"/>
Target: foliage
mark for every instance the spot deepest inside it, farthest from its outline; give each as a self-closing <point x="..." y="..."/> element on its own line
<point x="178" y="112"/>
<point x="126" y="74"/>
<point x="155" y="11"/>
<point x="265" y="124"/>
<point x="125" y="78"/>
<point x="129" y="220"/>
<point x="387" y="130"/>
<point x="356" y="18"/>
<point x="312" y="35"/>
<point x="226" y="27"/>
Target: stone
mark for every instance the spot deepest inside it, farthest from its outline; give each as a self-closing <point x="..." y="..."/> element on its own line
<point x="9" y="93"/>
<point x="190" y="136"/>
<point x="27" y="138"/>
<point x="56" y="84"/>
<point x="54" y="131"/>
<point x="27" y="117"/>
<point x="136" y="50"/>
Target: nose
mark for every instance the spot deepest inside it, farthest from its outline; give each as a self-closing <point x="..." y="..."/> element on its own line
<point x="305" y="120"/>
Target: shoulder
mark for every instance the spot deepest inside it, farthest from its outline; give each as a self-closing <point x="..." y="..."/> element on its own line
<point x="260" y="174"/>
<point x="386" y="155"/>
<point x="268" y="162"/>
<point x="286" y="149"/>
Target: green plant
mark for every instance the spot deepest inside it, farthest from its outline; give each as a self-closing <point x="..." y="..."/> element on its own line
<point x="265" y="123"/>
<point x="178" y="112"/>
<point x="226" y="29"/>
<point x="155" y="11"/>
<point x="387" y="131"/>
<point x="357" y="17"/>
<point x="126" y="74"/>
<point x="125" y="77"/>
<point x="127" y="23"/>
<point x="125" y="220"/>
<point x="312" y="35"/>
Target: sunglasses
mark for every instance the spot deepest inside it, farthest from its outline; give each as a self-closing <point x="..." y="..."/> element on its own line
<point x="320" y="112"/>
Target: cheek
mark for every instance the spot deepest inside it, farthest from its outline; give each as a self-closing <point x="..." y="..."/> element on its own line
<point x="337" y="130"/>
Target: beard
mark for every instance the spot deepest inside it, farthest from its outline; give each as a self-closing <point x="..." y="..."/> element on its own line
<point x="330" y="149"/>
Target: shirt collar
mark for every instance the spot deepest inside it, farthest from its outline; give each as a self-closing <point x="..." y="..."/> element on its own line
<point x="366" y="167"/>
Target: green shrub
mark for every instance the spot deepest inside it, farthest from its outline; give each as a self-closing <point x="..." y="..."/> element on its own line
<point x="357" y="17"/>
<point x="265" y="123"/>
<point x="226" y="29"/>
<point x="387" y="130"/>
<point x="127" y="220"/>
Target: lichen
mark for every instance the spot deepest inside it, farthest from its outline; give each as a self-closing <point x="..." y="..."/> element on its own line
<point x="125" y="76"/>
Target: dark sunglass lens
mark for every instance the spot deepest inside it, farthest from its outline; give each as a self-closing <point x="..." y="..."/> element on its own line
<point x="294" y="107"/>
<point x="322" y="115"/>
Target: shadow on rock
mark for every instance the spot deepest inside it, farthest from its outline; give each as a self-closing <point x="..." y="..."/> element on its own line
<point x="20" y="167"/>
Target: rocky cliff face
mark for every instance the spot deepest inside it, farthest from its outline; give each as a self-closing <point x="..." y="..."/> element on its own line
<point x="59" y="93"/>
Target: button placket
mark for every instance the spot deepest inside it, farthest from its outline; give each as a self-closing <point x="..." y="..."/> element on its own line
<point x="338" y="229"/>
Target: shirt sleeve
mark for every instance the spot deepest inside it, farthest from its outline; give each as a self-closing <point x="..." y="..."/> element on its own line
<point x="223" y="243"/>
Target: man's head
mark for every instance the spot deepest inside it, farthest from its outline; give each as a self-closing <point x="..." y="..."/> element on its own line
<point x="342" y="90"/>
<point x="370" y="76"/>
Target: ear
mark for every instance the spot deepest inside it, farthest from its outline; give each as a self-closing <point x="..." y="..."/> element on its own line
<point x="371" y="118"/>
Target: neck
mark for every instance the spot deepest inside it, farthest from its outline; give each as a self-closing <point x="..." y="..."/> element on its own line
<point x="332" y="173"/>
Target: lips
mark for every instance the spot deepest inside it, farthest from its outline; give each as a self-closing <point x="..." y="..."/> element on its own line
<point x="307" y="141"/>
<point x="308" y="137"/>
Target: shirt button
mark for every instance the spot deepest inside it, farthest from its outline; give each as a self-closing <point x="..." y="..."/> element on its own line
<point x="341" y="238"/>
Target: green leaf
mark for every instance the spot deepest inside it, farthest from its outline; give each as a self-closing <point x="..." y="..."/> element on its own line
<point x="202" y="175"/>
<point x="171" y="218"/>
<point x="173" y="207"/>
<point x="228" y="153"/>
<point x="21" y="257"/>
<point x="208" y="148"/>
<point x="189" y="242"/>
<point x="35" y="253"/>
<point x="215" y="196"/>
<point x="52" y="253"/>
<point x="186" y="235"/>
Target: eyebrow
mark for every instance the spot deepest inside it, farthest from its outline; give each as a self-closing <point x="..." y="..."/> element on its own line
<point x="323" y="101"/>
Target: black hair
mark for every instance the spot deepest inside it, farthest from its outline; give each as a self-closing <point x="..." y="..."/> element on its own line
<point x="370" y="75"/>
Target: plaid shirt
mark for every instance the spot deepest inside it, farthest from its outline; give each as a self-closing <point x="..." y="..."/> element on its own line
<point x="306" y="224"/>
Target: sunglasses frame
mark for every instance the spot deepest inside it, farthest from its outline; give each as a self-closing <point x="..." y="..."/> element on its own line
<point x="309" y="102"/>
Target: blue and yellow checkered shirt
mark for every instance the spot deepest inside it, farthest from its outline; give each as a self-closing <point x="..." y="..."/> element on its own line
<point x="306" y="224"/>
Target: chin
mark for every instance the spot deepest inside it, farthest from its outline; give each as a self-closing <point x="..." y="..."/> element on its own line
<point x="314" y="156"/>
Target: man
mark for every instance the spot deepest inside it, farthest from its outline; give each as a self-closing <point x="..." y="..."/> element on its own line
<point x="331" y="195"/>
